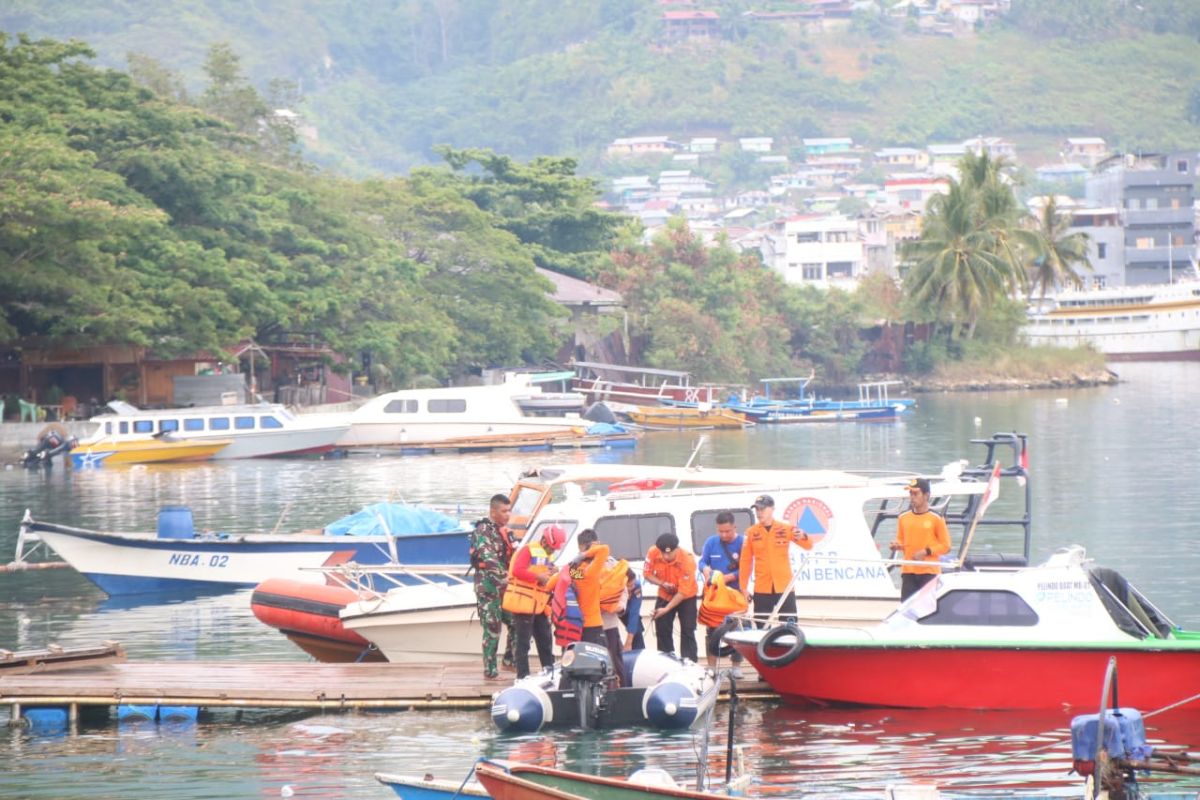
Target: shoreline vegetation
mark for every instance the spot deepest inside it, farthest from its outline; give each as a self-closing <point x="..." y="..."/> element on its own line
<point x="1018" y="368"/>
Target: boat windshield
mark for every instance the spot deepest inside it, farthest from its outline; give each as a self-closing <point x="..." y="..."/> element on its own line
<point x="1128" y="607"/>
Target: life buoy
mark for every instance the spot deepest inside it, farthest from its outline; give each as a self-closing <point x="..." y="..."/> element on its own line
<point x="787" y="656"/>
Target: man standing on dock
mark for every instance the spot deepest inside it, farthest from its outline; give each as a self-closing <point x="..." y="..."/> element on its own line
<point x="921" y="535"/>
<point x="491" y="551"/>
<point x="766" y="556"/>
<point x="673" y="571"/>
<point x="530" y="581"/>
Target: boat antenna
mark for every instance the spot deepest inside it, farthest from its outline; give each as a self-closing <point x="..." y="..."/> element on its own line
<point x="700" y="442"/>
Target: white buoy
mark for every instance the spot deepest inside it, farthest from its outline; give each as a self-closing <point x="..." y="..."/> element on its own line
<point x="287" y="791"/>
<point x="978" y="421"/>
<point x="1061" y="401"/>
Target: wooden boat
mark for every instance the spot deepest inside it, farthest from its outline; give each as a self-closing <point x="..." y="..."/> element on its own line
<point x="144" y="450"/>
<point x="429" y="788"/>
<point x="603" y="383"/>
<point x="1001" y="638"/>
<point x="682" y="417"/>
<point x="529" y="782"/>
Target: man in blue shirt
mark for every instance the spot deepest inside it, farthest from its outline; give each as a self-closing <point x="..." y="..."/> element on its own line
<point x="721" y="553"/>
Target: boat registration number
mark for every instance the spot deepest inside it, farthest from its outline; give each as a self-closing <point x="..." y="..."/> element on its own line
<point x="197" y="560"/>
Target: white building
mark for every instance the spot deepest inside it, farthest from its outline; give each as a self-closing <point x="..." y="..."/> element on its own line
<point x="821" y="250"/>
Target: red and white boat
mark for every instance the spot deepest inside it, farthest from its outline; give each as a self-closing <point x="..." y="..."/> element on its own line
<point x="307" y="614"/>
<point x="999" y="638"/>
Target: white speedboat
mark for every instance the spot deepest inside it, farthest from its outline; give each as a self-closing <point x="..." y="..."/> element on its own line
<point x="842" y="580"/>
<point x="493" y="413"/>
<point x="266" y="429"/>
<point x="1127" y="323"/>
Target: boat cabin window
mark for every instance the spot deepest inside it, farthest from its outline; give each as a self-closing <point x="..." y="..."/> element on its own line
<point x="194" y="424"/>
<point x="143" y="426"/>
<point x="1128" y="607"/>
<point x="569" y="525"/>
<point x="447" y="405"/>
<point x="168" y="425"/>
<point x="972" y="607"/>
<point x="243" y="423"/>
<point x="269" y="422"/>
<point x="218" y="424"/>
<point x="632" y="536"/>
<point x="401" y="407"/>
<point x="123" y="426"/>
<point x="704" y="525"/>
<point x="526" y="501"/>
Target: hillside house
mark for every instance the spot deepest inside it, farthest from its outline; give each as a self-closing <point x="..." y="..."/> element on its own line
<point x="902" y="158"/>
<point x="1061" y="173"/>
<point x="828" y="146"/>
<point x="703" y="144"/>
<point x="1086" y="150"/>
<point x="690" y="25"/>
<point x="814" y="249"/>
<point x="913" y="192"/>
<point x="756" y="144"/>
<point x="994" y="146"/>
<point x="642" y="145"/>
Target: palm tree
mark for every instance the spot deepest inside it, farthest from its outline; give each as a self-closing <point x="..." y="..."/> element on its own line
<point x="971" y="250"/>
<point x="1059" y="251"/>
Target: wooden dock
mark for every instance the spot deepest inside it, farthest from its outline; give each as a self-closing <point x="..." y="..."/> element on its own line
<point x="236" y="684"/>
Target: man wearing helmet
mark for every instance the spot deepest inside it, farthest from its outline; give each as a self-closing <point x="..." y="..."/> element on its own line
<point x="530" y="582"/>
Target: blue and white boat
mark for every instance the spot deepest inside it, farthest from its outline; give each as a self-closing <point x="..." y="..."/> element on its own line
<point x="410" y="787"/>
<point x="178" y="557"/>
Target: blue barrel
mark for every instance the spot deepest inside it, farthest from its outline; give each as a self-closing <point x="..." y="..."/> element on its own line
<point x="175" y="522"/>
<point x="183" y="714"/>
<point x="46" y="721"/>
<point x="133" y="713"/>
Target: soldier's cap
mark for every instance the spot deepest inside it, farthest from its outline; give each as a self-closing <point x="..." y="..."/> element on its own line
<point x="764" y="501"/>
<point x="919" y="483"/>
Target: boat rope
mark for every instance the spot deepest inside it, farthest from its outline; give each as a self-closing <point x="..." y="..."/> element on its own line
<point x="1172" y="706"/>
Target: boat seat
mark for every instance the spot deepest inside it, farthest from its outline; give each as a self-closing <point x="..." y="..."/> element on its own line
<point x="987" y="560"/>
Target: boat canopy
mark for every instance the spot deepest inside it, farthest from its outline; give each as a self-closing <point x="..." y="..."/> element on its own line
<point x="396" y="519"/>
<point x="1128" y="607"/>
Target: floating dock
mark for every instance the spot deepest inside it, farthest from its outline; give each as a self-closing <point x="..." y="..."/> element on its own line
<point x="277" y="685"/>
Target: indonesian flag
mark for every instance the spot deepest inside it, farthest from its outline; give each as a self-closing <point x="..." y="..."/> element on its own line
<point x="1024" y="462"/>
<point x="992" y="491"/>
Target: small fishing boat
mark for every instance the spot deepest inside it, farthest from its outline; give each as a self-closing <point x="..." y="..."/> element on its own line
<point x="674" y="417"/>
<point x="178" y="557"/>
<point x="408" y="787"/>
<point x="145" y="450"/>
<point x="529" y="782"/>
<point x="997" y="638"/>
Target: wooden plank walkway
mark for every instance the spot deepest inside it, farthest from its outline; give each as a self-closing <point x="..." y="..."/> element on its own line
<point x="271" y="685"/>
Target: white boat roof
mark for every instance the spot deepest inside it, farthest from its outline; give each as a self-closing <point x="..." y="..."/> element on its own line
<point x="119" y="409"/>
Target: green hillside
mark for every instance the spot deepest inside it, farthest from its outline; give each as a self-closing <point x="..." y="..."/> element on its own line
<point x="384" y="82"/>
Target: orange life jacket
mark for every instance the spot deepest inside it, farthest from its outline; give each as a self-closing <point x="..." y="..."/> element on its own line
<point x="612" y="586"/>
<point x="720" y="601"/>
<point x="528" y="597"/>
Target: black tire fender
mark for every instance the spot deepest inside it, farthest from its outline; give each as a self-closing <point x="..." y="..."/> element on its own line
<point x="718" y="637"/>
<point x="774" y="635"/>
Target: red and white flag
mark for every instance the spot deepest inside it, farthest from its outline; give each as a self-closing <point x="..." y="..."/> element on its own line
<point x="992" y="491"/>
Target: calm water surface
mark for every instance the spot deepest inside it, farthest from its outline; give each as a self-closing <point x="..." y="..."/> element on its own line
<point x="1114" y="469"/>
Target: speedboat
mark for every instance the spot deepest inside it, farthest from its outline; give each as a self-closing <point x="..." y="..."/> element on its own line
<point x="991" y="638"/>
<point x="96" y="452"/>
<point x="176" y="556"/>
<point x="244" y="431"/>
<point x="843" y="579"/>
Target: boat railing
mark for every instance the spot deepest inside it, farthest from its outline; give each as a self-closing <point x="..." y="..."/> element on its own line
<point x="379" y="579"/>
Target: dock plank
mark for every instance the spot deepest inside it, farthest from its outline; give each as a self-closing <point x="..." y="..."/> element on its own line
<point x="266" y="685"/>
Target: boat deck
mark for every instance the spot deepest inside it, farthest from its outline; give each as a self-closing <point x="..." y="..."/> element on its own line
<point x="234" y="684"/>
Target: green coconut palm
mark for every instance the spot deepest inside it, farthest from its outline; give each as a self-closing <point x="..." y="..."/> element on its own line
<point x="1060" y="254"/>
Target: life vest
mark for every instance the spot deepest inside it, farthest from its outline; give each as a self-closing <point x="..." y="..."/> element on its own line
<point x="526" y="597"/>
<point x="720" y="601"/>
<point x="565" y="612"/>
<point x="612" y="586"/>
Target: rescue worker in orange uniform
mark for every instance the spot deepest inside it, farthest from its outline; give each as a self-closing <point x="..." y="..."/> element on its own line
<point x="530" y="580"/>
<point x="585" y="577"/>
<point x="765" y="556"/>
<point x="674" y="572"/>
<point x="921" y="535"/>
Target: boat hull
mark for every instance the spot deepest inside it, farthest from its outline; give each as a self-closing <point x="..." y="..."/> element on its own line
<point x="994" y="678"/>
<point x="148" y="451"/>
<point x="443" y="629"/>
<point x="527" y="782"/>
<point x="389" y="434"/>
<point x="129" y="563"/>
<point x="412" y="788"/>
<point x="669" y="417"/>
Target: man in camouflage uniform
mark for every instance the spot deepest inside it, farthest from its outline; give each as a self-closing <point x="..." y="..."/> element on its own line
<point x="491" y="551"/>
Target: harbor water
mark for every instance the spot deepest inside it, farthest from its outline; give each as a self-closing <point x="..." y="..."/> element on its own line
<point x="1114" y="469"/>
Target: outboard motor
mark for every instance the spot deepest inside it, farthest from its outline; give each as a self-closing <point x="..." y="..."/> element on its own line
<point x="587" y="670"/>
<point x="53" y="440"/>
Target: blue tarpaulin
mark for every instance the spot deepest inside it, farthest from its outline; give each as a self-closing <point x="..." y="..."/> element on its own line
<point x="398" y="519"/>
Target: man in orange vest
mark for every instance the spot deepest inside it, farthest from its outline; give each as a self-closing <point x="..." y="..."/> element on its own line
<point x="530" y="581"/>
<point x="921" y="535"/>
<point x="765" y="556"/>
<point x="674" y="572"/>
<point x="585" y="577"/>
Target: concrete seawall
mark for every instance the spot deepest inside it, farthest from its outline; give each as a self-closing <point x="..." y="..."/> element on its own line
<point x="17" y="437"/>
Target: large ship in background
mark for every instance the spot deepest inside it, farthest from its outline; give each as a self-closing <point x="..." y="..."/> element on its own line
<point x="1128" y="323"/>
